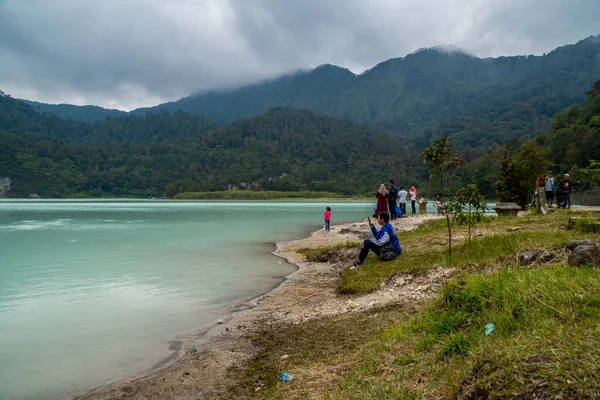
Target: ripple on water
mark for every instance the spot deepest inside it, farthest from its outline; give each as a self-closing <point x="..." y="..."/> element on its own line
<point x="69" y="225"/>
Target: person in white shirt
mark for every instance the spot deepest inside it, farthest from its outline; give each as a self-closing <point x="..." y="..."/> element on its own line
<point x="402" y="196"/>
<point x="549" y="188"/>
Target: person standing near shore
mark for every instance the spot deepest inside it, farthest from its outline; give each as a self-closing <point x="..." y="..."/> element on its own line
<point x="422" y="206"/>
<point x="393" y="197"/>
<point x="537" y="194"/>
<point x="566" y="186"/>
<point x="327" y="216"/>
<point x="382" y="200"/>
<point x="413" y="200"/>
<point x="402" y="194"/>
<point x="549" y="188"/>
<point x="386" y="244"/>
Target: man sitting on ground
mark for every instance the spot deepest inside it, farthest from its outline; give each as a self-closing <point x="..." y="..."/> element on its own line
<point x="386" y="245"/>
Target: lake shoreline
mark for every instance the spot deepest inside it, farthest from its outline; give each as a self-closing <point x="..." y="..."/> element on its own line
<point x="201" y="365"/>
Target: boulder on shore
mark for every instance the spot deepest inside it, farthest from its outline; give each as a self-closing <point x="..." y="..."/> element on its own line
<point x="507" y="209"/>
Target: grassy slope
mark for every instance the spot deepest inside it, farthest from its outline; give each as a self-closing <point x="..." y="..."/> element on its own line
<point x="546" y="343"/>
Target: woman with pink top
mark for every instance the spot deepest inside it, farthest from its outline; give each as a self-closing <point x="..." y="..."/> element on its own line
<point x="413" y="199"/>
<point x="327" y="216"/>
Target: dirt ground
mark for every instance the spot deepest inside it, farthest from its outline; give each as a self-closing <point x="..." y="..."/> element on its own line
<point x="200" y="369"/>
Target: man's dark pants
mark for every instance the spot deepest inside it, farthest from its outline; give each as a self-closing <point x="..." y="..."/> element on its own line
<point x="386" y="252"/>
<point x="392" y="207"/>
<point x="566" y="200"/>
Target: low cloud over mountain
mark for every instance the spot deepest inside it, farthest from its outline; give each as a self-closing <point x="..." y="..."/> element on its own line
<point x="127" y="54"/>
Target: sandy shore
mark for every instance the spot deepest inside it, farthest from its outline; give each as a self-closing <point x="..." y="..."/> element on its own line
<point x="199" y="370"/>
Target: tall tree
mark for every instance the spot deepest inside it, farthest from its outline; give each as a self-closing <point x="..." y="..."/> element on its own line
<point x="520" y="169"/>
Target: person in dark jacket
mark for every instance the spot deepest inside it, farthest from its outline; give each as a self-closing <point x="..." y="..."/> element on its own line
<point x="386" y="244"/>
<point x="564" y="188"/>
<point x="392" y="199"/>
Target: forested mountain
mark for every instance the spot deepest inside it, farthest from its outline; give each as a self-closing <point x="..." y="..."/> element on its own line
<point x="319" y="90"/>
<point x="479" y="102"/>
<point x="432" y="92"/>
<point x="78" y="113"/>
<point x="161" y="153"/>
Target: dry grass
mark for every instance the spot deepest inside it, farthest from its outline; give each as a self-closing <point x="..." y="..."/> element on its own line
<point x="320" y="354"/>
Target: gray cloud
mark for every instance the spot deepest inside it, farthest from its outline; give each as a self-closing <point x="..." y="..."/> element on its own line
<point x="132" y="53"/>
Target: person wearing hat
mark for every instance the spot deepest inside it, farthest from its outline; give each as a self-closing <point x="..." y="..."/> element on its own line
<point x="549" y="188"/>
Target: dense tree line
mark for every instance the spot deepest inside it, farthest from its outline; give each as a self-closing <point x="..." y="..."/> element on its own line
<point x="79" y="113"/>
<point x="164" y="154"/>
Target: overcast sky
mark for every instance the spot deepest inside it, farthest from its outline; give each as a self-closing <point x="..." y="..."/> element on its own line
<point x="131" y="53"/>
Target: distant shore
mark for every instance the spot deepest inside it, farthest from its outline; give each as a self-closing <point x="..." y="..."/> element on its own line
<point x="200" y="367"/>
<point x="225" y="195"/>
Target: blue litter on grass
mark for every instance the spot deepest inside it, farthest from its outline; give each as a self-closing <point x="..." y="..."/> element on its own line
<point x="284" y="376"/>
<point x="489" y="328"/>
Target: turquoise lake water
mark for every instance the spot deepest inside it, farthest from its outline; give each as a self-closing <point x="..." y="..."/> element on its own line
<point x="95" y="291"/>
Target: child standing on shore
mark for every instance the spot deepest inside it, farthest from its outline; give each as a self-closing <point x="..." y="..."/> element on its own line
<point x="327" y="218"/>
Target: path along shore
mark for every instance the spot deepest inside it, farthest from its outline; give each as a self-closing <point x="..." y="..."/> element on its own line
<point x="200" y="368"/>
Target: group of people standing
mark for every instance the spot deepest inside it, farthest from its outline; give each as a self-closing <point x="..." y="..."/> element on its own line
<point x="560" y="192"/>
<point x="389" y="199"/>
<point x="386" y="245"/>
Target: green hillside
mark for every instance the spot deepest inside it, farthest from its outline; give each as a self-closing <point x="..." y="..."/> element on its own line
<point x="160" y="153"/>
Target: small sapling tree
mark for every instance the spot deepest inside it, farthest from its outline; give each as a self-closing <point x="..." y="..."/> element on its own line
<point x="467" y="207"/>
<point x="442" y="163"/>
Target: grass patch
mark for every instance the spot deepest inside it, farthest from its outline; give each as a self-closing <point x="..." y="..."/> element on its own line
<point x="426" y="248"/>
<point x="545" y="343"/>
<point x="586" y="225"/>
